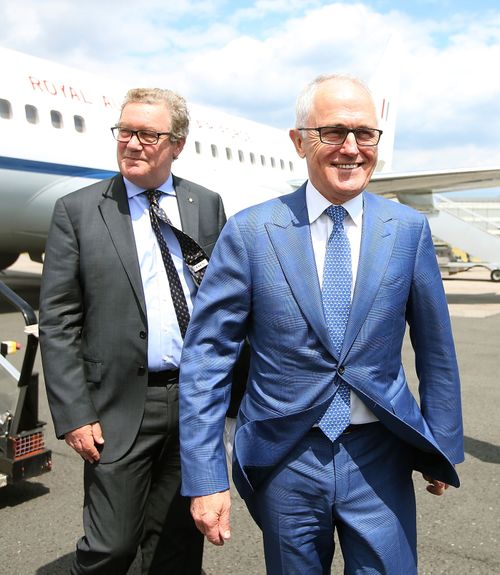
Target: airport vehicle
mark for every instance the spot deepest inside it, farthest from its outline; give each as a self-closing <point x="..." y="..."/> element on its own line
<point x="22" y="444"/>
<point x="55" y="123"/>
<point x="450" y="263"/>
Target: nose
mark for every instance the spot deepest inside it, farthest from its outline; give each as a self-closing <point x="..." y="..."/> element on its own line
<point x="350" y="145"/>
<point x="134" y="142"/>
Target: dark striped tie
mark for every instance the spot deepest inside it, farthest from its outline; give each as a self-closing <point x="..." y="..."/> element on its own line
<point x="194" y="256"/>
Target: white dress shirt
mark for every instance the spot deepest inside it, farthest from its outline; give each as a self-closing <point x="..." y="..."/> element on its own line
<point x="321" y="227"/>
<point x="164" y="337"/>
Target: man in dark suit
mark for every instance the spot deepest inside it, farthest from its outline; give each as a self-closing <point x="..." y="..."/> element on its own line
<point x="323" y="283"/>
<point x="111" y="336"/>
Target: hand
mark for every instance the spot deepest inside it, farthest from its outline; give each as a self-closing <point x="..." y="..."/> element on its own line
<point x="436" y="487"/>
<point x="84" y="440"/>
<point x="211" y="515"/>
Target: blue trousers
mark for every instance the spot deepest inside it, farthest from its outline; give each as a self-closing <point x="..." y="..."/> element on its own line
<point x="360" y="485"/>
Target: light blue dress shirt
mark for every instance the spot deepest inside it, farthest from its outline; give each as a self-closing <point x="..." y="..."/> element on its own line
<point x="164" y="337"/>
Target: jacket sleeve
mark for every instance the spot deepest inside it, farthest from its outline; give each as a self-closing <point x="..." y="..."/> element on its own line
<point x="61" y="321"/>
<point x="435" y="358"/>
<point x="212" y="345"/>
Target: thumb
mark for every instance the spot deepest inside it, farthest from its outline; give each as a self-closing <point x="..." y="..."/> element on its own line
<point x="97" y="433"/>
<point x="225" y="525"/>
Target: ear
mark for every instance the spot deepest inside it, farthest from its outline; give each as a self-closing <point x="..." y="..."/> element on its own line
<point x="298" y="141"/>
<point x="179" y="146"/>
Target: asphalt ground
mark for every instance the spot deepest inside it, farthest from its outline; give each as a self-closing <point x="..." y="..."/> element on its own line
<point x="457" y="533"/>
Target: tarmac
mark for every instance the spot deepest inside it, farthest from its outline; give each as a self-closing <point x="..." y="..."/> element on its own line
<point x="457" y="533"/>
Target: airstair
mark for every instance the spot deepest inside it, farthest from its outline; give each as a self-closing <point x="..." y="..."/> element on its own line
<point x="468" y="230"/>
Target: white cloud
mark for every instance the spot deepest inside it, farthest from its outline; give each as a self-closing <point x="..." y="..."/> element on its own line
<point x="262" y="77"/>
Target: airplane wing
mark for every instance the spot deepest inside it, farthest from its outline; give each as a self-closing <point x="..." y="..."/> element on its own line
<point x="399" y="184"/>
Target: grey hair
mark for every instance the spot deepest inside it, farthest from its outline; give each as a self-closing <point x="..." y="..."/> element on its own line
<point x="306" y="97"/>
<point x="174" y="102"/>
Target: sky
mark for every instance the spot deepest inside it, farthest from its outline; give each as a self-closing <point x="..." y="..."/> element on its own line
<point x="253" y="58"/>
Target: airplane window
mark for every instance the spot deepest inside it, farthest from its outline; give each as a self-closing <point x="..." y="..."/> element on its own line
<point x="241" y="156"/>
<point x="79" y="123"/>
<point x="282" y="164"/>
<point x="252" y="158"/>
<point x="197" y="147"/>
<point x="5" y="109"/>
<point x="229" y="154"/>
<point x="290" y="165"/>
<point x="273" y="162"/>
<point x="215" y="152"/>
<point x="56" y="119"/>
<point x="263" y="160"/>
<point x="31" y="114"/>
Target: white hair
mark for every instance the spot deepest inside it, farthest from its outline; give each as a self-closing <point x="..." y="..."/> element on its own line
<point x="306" y="97"/>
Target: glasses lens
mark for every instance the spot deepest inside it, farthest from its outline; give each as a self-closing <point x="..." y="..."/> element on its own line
<point x="147" y="137"/>
<point x="366" y="137"/>
<point x="121" y="134"/>
<point x="332" y="135"/>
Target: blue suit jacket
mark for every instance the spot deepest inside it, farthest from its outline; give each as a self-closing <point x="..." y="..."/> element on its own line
<point x="262" y="284"/>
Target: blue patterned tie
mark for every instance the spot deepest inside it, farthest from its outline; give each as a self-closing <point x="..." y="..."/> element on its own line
<point x="337" y="281"/>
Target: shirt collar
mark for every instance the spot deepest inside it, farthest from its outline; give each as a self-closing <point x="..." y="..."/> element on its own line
<point x="317" y="204"/>
<point x="167" y="187"/>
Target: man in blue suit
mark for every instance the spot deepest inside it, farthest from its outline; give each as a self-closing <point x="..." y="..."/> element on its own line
<point x="322" y="282"/>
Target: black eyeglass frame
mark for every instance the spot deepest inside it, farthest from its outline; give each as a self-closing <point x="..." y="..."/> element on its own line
<point x="115" y="130"/>
<point x="348" y="131"/>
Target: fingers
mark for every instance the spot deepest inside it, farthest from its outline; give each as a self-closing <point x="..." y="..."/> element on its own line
<point x="224" y="526"/>
<point x="97" y="433"/>
<point x="210" y="528"/>
<point x="211" y="513"/>
<point x="84" y="439"/>
<point x="435" y="487"/>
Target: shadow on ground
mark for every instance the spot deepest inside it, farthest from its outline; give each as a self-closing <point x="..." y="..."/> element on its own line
<point x="487" y="452"/>
<point x="12" y="495"/>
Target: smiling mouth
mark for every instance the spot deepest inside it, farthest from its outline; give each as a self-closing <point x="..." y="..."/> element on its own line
<point x="347" y="166"/>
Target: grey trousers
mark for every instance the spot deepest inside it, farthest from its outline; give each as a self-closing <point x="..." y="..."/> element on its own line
<point x="136" y="502"/>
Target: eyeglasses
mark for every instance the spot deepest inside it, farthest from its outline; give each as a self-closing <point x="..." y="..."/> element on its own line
<point x="144" y="136"/>
<point x="336" y="135"/>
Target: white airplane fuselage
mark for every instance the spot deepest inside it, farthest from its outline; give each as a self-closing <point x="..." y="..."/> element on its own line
<point x="55" y="125"/>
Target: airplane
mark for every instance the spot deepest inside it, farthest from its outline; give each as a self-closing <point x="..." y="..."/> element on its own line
<point x="55" y="124"/>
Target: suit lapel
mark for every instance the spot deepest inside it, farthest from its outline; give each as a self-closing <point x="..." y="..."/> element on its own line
<point x="377" y="242"/>
<point x="189" y="208"/>
<point x="291" y="239"/>
<point x="116" y="214"/>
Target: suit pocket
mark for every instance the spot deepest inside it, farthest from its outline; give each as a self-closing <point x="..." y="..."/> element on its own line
<point x="93" y="370"/>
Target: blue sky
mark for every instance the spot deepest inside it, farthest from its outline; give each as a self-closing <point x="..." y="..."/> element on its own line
<point x="252" y="58"/>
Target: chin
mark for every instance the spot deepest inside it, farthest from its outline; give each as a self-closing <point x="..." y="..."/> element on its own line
<point x="352" y="187"/>
<point x="131" y="173"/>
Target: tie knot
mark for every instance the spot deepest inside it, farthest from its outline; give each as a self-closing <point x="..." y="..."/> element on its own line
<point x="337" y="214"/>
<point x="153" y="196"/>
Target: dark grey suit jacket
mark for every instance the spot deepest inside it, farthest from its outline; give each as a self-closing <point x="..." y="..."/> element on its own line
<point x="93" y="325"/>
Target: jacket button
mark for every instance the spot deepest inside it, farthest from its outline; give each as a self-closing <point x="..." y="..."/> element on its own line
<point x="341" y="370"/>
<point x="142" y="335"/>
<point x="141" y="370"/>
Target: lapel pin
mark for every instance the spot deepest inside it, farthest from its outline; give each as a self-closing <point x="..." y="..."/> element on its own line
<point x="190" y="200"/>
